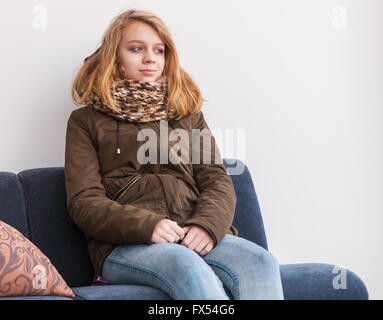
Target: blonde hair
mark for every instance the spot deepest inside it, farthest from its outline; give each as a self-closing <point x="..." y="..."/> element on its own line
<point x="100" y="71"/>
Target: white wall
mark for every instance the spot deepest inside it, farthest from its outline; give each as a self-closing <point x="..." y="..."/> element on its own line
<point x="302" y="78"/>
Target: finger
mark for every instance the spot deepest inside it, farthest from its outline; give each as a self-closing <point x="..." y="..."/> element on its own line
<point x="186" y="229"/>
<point x="158" y="239"/>
<point x="169" y="236"/>
<point x="188" y="239"/>
<point x="196" y="242"/>
<point x="207" y="249"/>
<point x="175" y="230"/>
<point x="201" y="246"/>
<point x="178" y="230"/>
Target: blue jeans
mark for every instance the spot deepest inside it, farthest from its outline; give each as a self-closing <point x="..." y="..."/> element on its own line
<point x="246" y="269"/>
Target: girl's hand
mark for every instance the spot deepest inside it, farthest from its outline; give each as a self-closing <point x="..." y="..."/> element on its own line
<point x="197" y="239"/>
<point x="167" y="231"/>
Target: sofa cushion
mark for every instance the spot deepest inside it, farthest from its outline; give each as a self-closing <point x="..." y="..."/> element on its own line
<point x="124" y="292"/>
<point x="12" y="206"/>
<point x="24" y="270"/>
<point x="120" y="292"/>
<point x="50" y="227"/>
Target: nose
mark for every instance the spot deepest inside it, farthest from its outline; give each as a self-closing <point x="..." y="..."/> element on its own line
<point x="148" y="58"/>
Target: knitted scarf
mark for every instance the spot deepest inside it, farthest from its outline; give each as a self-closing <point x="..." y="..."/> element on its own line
<point x="138" y="101"/>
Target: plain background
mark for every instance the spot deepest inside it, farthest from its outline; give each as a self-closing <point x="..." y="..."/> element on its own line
<point x="302" y="78"/>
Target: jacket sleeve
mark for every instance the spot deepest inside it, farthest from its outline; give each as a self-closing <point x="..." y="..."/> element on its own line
<point x="215" y="206"/>
<point x="87" y="204"/>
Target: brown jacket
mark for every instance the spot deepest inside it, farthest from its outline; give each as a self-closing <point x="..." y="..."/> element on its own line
<point x="115" y="199"/>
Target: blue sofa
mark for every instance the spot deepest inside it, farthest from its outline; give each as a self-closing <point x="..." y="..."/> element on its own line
<point x="34" y="202"/>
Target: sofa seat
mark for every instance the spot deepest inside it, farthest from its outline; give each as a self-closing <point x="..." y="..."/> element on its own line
<point x="119" y="292"/>
<point x="301" y="281"/>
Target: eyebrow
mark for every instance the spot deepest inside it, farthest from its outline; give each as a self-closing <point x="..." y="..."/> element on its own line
<point x="140" y="41"/>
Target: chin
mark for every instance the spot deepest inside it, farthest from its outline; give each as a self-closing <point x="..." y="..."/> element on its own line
<point x="142" y="77"/>
<point x="149" y="78"/>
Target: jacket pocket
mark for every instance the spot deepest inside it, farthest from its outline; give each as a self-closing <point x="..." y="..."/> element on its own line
<point x="181" y="201"/>
<point x="123" y="191"/>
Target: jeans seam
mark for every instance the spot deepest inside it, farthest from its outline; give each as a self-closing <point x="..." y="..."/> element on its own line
<point x="232" y="274"/>
<point x="113" y="261"/>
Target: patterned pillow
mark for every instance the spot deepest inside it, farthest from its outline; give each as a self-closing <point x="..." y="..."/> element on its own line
<point x="25" y="270"/>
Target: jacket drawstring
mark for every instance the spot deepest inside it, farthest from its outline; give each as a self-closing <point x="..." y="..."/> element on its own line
<point x="171" y="124"/>
<point x="118" y="151"/>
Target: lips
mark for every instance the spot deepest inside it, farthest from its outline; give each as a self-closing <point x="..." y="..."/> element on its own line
<point x="148" y="72"/>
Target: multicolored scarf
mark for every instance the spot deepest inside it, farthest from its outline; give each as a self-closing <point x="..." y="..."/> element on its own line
<point x="138" y="101"/>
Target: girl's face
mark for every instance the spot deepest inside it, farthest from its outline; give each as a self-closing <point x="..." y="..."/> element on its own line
<point x="141" y="49"/>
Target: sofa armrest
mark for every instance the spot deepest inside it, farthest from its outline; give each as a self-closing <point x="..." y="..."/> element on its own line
<point x="319" y="281"/>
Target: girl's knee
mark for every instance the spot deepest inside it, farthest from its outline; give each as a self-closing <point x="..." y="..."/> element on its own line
<point x="247" y="252"/>
<point x="269" y="261"/>
<point x="261" y="257"/>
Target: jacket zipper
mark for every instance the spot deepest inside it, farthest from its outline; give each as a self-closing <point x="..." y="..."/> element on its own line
<point x="126" y="187"/>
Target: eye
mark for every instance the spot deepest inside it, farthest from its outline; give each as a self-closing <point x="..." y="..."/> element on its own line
<point x="159" y="50"/>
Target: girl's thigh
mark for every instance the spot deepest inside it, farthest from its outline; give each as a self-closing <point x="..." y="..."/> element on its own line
<point x="170" y="267"/>
<point x="248" y="270"/>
